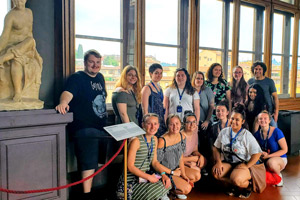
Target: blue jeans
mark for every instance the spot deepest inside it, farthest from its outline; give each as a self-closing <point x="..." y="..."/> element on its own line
<point x="273" y="123"/>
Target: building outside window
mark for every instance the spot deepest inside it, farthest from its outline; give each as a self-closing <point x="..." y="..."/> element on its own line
<point x="164" y="36"/>
<point x="100" y="27"/>
<point x="215" y="34"/>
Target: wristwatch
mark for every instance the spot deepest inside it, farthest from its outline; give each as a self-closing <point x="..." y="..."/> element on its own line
<point x="172" y="172"/>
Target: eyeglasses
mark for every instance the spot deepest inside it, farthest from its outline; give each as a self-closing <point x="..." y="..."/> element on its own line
<point x="238" y="72"/>
<point x="191" y="123"/>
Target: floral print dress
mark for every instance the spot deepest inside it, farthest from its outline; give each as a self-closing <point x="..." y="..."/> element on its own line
<point x="219" y="90"/>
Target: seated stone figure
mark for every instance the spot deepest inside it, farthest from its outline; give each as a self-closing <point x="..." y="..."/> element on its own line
<point x="20" y="63"/>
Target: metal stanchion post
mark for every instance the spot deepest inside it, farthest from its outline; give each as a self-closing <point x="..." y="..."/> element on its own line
<point x="125" y="170"/>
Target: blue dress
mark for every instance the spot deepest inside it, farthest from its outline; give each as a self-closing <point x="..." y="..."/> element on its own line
<point x="156" y="106"/>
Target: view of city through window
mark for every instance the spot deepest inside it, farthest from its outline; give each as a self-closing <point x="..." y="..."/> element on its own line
<point x="162" y="43"/>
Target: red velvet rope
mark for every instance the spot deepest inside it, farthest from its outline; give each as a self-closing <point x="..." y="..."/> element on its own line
<point x="68" y="185"/>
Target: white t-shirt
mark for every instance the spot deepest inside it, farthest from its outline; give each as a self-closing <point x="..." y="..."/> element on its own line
<point x="186" y="101"/>
<point x="244" y="146"/>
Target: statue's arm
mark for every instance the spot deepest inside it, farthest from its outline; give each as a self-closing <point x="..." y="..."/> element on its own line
<point x="8" y="22"/>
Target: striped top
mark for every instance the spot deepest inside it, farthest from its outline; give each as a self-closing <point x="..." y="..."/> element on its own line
<point x="141" y="160"/>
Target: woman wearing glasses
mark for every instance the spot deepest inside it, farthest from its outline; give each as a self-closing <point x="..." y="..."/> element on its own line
<point x="239" y="87"/>
<point x="192" y="158"/>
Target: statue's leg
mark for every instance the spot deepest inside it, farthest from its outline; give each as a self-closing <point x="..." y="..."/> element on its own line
<point x="17" y="76"/>
<point x="25" y="46"/>
<point x="22" y="48"/>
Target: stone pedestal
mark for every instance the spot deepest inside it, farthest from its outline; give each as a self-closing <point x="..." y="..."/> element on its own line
<point x="33" y="153"/>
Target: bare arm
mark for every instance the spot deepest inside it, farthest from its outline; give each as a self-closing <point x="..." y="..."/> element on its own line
<point x="254" y="158"/>
<point x="228" y="97"/>
<point x="4" y="38"/>
<point x="276" y="102"/>
<point x="122" y="108"/>
<point x="63" y="106"/>
<point x="134" y="146"/>
<point x="145" y="99"/>
<point x="166" y="105"/>
<point x="197" y="109"/>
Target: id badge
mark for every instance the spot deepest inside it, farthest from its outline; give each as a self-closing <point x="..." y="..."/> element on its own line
<point x="179" y="108"/>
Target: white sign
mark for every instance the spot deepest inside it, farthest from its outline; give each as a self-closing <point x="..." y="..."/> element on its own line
<point x="124" y="131"/>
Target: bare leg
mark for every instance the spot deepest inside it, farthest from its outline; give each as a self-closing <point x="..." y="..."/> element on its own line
<point x="240" y="177"/>
<point x="223" y="176"/>
<point x="193" y="174"/>
<point x="275" y="164"/>
<point x="17" y="75"/>
<point x="182" y="186"/>
<point x="87" y="185"/>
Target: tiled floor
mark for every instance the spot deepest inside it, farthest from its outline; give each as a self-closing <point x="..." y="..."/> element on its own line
<point x="290" y="190"/>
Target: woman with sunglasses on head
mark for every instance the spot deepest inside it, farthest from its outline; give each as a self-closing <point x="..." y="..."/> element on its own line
<point x="127" y="96"/>
<point x="273" y="144"/>
<point x="142" y="154"/>
<point x="240" y="151"/>
<point x="152" y="97"/>
<point x="239" y="87"/>
<point x="192" y="158"/>
<point x="181" y="96"/>
<point x="218" y="85"/>
<point x="171" y="147"/>
<point x="255" y="104"/>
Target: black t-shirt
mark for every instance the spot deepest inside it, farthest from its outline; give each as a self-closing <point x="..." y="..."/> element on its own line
<point x="88" y="103"/>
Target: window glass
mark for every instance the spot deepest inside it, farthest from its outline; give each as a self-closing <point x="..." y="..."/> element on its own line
<point x="162" y="42"/>
<point x="208" y="57"/>
<point x="277" y="33"/>
<point x="288" y="1"/>
<point x="162" y="21"/>
<point x="102" y="19"/>
<point x="276" y="72"/>
<point x="282" y="50"/>
<point x="100" y="25"/>
<point x="246" y="61"/>
<point x="246" y="28"/>
<point x="4" y="8"/>
<point x="166" y="56"/>
<point x="211" y="16"/>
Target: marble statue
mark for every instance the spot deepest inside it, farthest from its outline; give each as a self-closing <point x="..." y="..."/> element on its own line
<point x="20" y="63"/>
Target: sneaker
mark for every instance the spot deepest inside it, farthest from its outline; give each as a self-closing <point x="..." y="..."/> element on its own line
<point x="245" y="194"/>
<point x="181" y="196"/>
<point x="204" y="172"/>
<point x="165" y="197"/>
<point x="280" y="184"/>
<point x="231" y="192"/>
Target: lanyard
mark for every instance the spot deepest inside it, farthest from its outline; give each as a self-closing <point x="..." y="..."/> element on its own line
<point x="232" y="140"/>
<point x="265" y="140"/>
<point x="158" y="91"/>
<point x="180" y="95"/>
<point x="199" y="92"/>
<point x="150" y="149"/>
<point x="220" y="125"/>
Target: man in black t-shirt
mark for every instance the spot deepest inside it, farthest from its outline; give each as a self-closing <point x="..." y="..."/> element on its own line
<point x="85" y="96"/>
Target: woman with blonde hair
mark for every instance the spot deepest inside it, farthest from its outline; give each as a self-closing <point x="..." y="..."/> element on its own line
<point x="171" y="147"/>
<point x="127" y="95"/>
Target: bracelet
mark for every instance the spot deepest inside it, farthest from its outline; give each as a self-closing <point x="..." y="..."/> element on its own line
<point x="162" y="173"/>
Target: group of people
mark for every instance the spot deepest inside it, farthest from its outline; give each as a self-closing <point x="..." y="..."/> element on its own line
<point x="195" y="127"/>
